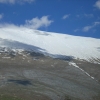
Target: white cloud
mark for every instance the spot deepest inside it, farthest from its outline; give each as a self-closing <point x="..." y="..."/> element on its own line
<point x="87" y="28"/>
<point x="7" y="1"/>
<point x="8" y="25"/>
<point x="65" y="16"/>
<point x="88" y="15"/>
<point x="96" y="23"/>
<point x="97" y="4"/>
<point x="16" y="1"/>
<point x="37" y="23"/>
<point x="76" y="30"/>
<point x="84" y="15"/>
<point x="1" y="16"/>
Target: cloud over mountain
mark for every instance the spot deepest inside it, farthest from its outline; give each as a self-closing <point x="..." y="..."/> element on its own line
<point x="37" y="23"/>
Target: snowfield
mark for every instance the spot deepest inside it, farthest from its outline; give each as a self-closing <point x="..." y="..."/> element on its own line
<point x="50" y="43"/>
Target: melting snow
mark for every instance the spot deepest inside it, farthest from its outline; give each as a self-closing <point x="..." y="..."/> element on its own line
<point x="74" y="64"/>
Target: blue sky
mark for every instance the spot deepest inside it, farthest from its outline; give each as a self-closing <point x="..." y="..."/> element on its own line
<point x="75" y="17"/>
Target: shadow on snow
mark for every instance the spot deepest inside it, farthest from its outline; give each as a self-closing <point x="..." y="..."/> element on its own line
<point x="33" y="50"/>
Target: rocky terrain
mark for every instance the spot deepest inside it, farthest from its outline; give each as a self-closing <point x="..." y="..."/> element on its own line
<point x="38" y="65"/>
<point x="29" y="75"/>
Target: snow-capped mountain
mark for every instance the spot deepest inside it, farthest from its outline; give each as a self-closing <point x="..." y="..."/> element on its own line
<point x="25" y="68"/>
<point x="49" y="43"/>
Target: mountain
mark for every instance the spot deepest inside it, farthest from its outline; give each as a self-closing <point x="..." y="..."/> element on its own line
<point x="38" y="65"/>
<point x="52" y="44"/>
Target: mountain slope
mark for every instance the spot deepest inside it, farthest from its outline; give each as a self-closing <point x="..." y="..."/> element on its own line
<point x="26" y="73"/>
<point x="53" y="44"/>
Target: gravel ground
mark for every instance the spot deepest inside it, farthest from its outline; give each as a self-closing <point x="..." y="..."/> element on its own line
<point x="44" y="78"/>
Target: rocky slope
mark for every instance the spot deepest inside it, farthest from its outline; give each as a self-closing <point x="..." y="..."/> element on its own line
<point x="27" y="75"/>
<point x="36" y="65"/>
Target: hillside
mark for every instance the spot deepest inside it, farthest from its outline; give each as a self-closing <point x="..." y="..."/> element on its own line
<point x="37" y="65"/>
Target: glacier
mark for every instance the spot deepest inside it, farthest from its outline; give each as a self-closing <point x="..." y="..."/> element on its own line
<point x="51" y="43"/>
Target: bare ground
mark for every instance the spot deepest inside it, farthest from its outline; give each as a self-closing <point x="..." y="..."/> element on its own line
<point x="44" y="78"/>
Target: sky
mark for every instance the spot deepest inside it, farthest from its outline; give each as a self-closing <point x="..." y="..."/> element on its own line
<point x="74" y="17"/>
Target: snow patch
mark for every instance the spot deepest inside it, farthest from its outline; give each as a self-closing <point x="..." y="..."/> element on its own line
<point x="74" y="64"/>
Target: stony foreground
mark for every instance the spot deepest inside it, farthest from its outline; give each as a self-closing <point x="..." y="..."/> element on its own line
<point x="37" y="77"/>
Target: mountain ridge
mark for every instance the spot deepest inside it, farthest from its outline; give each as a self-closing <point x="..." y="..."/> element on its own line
<point x="51" y="44"/>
